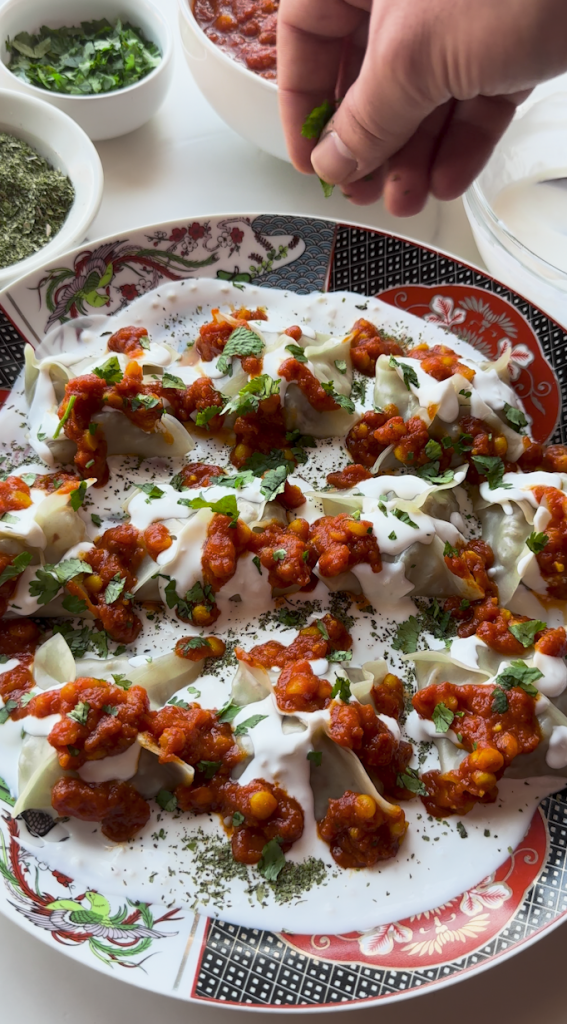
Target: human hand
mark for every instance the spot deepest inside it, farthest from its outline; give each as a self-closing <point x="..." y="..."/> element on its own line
<point x="427" y="86"/>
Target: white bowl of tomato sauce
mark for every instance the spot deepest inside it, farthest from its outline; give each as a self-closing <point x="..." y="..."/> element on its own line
<point x="230" y="48"/>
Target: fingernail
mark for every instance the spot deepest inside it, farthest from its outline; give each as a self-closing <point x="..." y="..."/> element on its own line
<point x="332" y="160"/>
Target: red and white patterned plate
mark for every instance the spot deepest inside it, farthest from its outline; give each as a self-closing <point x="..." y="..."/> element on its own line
<point x="199" y="959"/>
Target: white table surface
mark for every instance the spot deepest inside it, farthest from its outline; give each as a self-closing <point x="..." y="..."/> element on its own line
<point x="187" y="163"/>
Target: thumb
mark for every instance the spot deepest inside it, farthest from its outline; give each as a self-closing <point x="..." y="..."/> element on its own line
<point x="377" y="116"/>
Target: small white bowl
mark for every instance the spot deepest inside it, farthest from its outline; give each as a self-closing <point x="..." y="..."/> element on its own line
<point x="247" y="102"/>
<point x="534" y="148"/>
<point x="106" y="115"/>
<point x="66" y="147"/>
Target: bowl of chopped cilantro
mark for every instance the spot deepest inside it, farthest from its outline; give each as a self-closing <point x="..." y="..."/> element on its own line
<point x="50" y="184"/>
<point x="105" y="63"/>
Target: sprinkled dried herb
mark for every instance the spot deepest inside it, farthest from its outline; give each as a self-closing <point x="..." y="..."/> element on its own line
<point x="34" y="200"/>
<point x="84" y="60"/>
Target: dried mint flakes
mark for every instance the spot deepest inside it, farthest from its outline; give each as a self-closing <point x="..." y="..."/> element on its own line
<point x="34" y="200"/>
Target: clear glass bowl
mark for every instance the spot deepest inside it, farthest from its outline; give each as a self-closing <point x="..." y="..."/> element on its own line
<point x="534" y="147"/>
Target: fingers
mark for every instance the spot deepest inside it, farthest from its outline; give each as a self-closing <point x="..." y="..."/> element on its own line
<point x="380" y="112"/>
<point x="310" y="48"/>
<point x="407" y="182"/>
<point x="470" y="136"/>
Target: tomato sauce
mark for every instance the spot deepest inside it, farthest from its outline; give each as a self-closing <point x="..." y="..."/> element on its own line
<point x="284" y="552"/>
<point x="98" y="720"/>
<point x="115" y="558"/>
<point x="361" y="443"/>
<point x="244" y="29"/>
<point x="367" y="343"/>
<point x="127" y="341"/>
<point x="359" y="833"/>
<point x="357" y="727"/>
<point x="353" y="474"/>
<point x="260" y="431"/>
<point x="199" y="474"/>
<point x="195" y="398"/>
<point x="440" y="362"/>
<point x="552" y="560"/>
<point x="341" y="542"/>
<point x="118" y="806"/>
<point x="18" y="639"/>
<point x="14" y="495"/>
<point x="493" y="739"/>
<point x="310" y="643"/>
<point x="298" y="373"/>
<point x="224" y="544"/>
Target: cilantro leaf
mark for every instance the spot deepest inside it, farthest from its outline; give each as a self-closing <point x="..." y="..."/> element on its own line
<point x="274" y="480"/>
<point x="342" y="400"/>
<point x="16" y="567"/>
<point x="195" y="643"/>
<point x="9" y="706"/>
<point x="407" y="635"/>
<point x="537" y="541"/>
<point x="461" y="830"/>
<point x="65" y="416"/>
<point x="298" y="352"/>
<point x="433" y="450"/>
<point x="341" y="365"/>
<point x="204" y="416"/>
<point x="166" y="800"/>
<point x="442" y="717"/>
<point x="152" y="490"/>
<point x="228" y="711"/>
<point x="237" y="819"/>
<point x="316" y="757"/>
<point x="339" y="656"/>
<point x="257" y="563"/>
<point x="169" y="380"/>
<point x="515" y="418"/>
<point x="404" y="518"/>
<point x="342" y="689"/>
<point x="28" y="478"/>
<point x="499" y="704"/>
<point x="272" y="861"/>
<point x="237" y="482"/>
<point x="80" y="712"/>
<point x="430" y="472"/>
<point x="316" y="120"/>
<point x="45" y="586"/>
<point x="322" y="629"/>
<point x="110" y="709"/>
<point x="224" y="506"/>
<point x="408" y="373"/>
<point x="71" y="567"/>
<point x="95" y="519"/>
<point x="177" y="702"/>
<point x="114" y="589"/>
<point x="74" y="605"/>
<point x="410" y="780"/>
<point x="328" y="189"/>
<point x="77" y="496"/>
<point x="109" y="371"/>
<point x="449" y="551"/>
<point x="208" y="768"/>
<point x="249" y="723"/>
<point x="121" y="681"/>
<point x="242" y="342"/>
<point x="255" y="391"/>
<point x="140" y="401"/>
<point x="492" y="467"/>
<point x="519" y="674"/>
<point x="525" y="632"/>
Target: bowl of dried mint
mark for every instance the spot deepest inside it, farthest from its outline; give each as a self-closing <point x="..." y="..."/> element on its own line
<point x="35" y="200"/>
<point x="51" y="184"/>
<point x="106" y="64"/>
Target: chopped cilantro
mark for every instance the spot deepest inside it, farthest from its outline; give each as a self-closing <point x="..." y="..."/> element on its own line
<point x="249" y="723"/>
<point x="316" y="757"/>
<point x="121" y="681"/>
<point x="461" y="830"/>
<point x="74" y="605"/>
<point x="224" y="506"/>
<point x="204" y="416"/>
<point x="408" y="373"/>
<point x="169" y="380"/>
<point x="77" y="496"/>
<point x="341" y="365"/>
<point x="176" y="702"/>
<point x="109" y="371"/>
<point x="114" y="589"/>
<point x="65" y="416"/>
<point x="316" y="120"/>
<point x="406" y="636"/>
<point x="238" y="481"/>
<point x="208" y="768"/>
<point x="519" y="674"/>
<point x="110" y="709"/>
<point x="433" y="450"/>
<point x="339" y="656"/>
<point x="238" y="819"/>
<point x="322" y="629"/>
<point x="80" y="712"/>
<point x="410" y="780"/>
<point x="16" y="567"/>
<point x="152" y="491"/>
<point x="442" y="717"/>
<point x="9" y="706"/>
<point x="525" y="632"/>
<point x="255" y="391"/>
<point x="298" y="352"/>
<point x="242" y="342"/>
<point x="345" y="403"/>
<point x="272" y="861"/>
<point x="342" y="689"/>
<point x="464" y="393"/>
<point x="95" y="519"/>
<point x="166" y="800"/>
<point x="492" y="467"/>
<point x="537" y="541"/>
<point x="449" y="551"/>
<point x="257" y="563"/>
<point x="515" y="418"/>
<point x="499" y="702"/>
<point x="228" y="711"/>
<point x="404" y="518"/>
